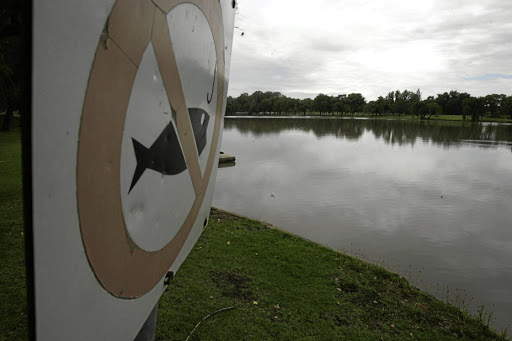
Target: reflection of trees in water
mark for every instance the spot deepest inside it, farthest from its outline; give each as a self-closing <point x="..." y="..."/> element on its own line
<point x="390" y="131"/>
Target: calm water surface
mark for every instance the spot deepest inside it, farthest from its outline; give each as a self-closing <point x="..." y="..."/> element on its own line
<point x="430" y="200"/>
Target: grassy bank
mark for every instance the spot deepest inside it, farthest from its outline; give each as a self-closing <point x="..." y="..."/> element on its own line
<point x="286" y="288"/>
<point x="458" y="118"/>
<point x="281" y="287"/>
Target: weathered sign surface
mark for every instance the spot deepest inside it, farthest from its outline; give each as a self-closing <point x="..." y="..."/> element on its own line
<point x="128" y="105"/>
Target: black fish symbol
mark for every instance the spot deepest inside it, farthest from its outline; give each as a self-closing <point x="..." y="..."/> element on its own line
<point x="165" y="155"/>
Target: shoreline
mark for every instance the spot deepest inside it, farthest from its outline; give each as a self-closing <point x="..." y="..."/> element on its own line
<point x="283" y="286"/>
<point x="436" y="118"/>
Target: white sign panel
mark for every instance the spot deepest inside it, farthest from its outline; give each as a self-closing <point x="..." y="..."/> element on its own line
<point x="128" y="105"/>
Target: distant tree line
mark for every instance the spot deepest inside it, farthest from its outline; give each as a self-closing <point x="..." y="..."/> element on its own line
<point x="394" y="103"/>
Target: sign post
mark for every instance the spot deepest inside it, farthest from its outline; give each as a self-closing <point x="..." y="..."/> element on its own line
<point x="128" y="105"/>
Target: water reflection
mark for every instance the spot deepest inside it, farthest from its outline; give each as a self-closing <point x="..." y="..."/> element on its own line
<point x="390" y="131"/>
<point x="429" y="196"/>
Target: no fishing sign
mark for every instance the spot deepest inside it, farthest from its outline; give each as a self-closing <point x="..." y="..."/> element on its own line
<point x="128" y="105"/>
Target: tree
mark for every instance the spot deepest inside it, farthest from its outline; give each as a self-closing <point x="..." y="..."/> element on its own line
<point x="322" y="104"/>
<point x="442" y="100"/>
<point x="429" y="108"/>
<point x="417" y="95"/>
<point x="355" y="103"/>
<point x="230" y="106"/>
<point x="401" y="106"/>
<point x="266" y="105"/>
<point x="371" y="108"/>
<point x="280" y="105"/>
<point x="253" y="106"/>
<point x="421" y="109"/>
<point x="382" y="105"/>
<point x="307" y="104"/>
<point x="473" y="107"/>
<point x="243" y="102"/>
<point x="492" y="104"/>
<point x="455" y="102"/>
<point x="434" y="108"/>
<point x="506" y="106"/>
<point x="339" y="107"/>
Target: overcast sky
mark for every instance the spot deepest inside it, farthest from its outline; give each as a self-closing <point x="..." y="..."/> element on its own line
<point x="302" y="48"/>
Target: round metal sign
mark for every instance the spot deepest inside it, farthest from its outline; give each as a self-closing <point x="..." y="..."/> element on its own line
<point x="123" y="263"/>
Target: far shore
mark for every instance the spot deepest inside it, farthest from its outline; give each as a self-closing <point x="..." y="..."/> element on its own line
<point x="450" y="118"/>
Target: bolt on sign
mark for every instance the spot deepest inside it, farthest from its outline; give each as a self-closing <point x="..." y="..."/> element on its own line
<point x="128" y="105"/>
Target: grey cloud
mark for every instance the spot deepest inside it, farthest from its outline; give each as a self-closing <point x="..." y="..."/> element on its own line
<point x="324" y="56"/>
<point x="326" y="45"/>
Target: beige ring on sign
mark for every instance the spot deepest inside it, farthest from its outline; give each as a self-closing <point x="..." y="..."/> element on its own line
<point x="122" y="268"/>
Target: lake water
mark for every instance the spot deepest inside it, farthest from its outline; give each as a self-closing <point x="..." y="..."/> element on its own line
<point x="429" y="200"/>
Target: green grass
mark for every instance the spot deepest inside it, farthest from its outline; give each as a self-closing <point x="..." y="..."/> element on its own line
<point x="454" y="118"/>
<point x="459" y="118"/>
<point x="13" y="321"/>
<point x="303" y="291"/>
<point x="498" y="120"/>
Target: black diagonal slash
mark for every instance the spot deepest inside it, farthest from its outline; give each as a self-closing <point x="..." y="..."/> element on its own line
<point x="165" y="155"/>
<point x="213" y="85"/>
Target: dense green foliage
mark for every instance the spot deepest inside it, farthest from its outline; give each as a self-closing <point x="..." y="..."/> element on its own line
<point x="395" y="103"/>
<point x="11" y="68"/>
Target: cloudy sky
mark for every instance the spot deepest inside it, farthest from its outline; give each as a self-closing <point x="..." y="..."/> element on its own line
<point x="302" y="48"/>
